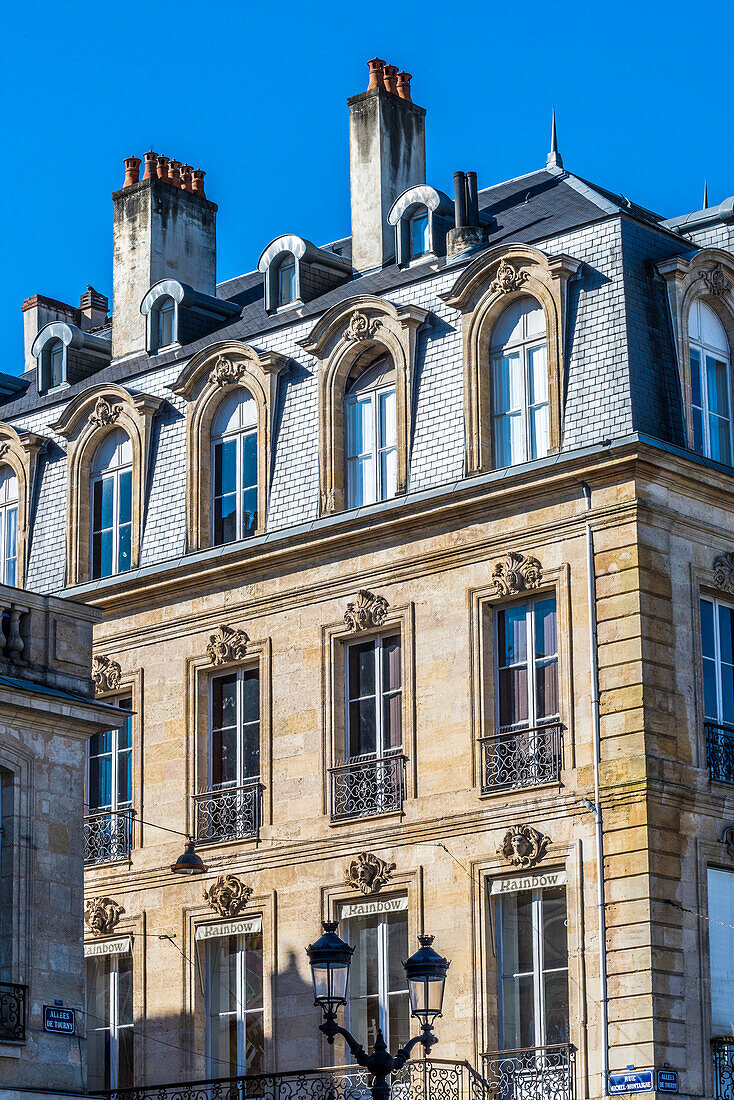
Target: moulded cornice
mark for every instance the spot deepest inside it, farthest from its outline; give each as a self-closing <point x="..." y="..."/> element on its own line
<point x="198" y="368"/>
<point x="78" y="411"/>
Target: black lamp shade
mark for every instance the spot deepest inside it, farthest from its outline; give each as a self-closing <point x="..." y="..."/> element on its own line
<point x="188" y="863"/>
<point x="426" y="974"/>
<point x="330" y="958"/>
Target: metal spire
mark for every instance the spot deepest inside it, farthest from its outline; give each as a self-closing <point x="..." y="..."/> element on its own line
<point x="554" y="159"/>
<point x="705" y="195"/>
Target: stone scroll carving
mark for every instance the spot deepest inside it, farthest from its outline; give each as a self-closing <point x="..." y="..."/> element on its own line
<point x="106" y="674"/>
<point x="507" y="279"/>
<point x="523" y="846"/>
<point x="228" y="896"/>
<point x="360" y="327"/>
<point x="226" y="373"/>
<point x="724" y="572"/>
<point x="368" y="873"/>
<point x="516" y="573"/>
<point x="102" y="915"/>
<point x="715" y="281"/>
<point x="226" y="645"/>
<point x="105" y="413"/>
<point x="366" y="611"/>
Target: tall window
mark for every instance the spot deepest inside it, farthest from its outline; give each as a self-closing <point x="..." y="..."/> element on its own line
<point x="52" y="365"/>
<point x="371" y="440"/>
<point x="527" y="664"/>
<point x="374" y="698"/>
<point x="532" y="968"/>
<point x="710" y="383"/>
<point x="286" y="275"/>
<point x="111" y="492"/>
<point x="419" y="243"/>
<point x="110" y="1035"/>
<point x="717" y="646"/>
<point x="235" y="1034"/>
<point x="110" y="789"/>
<point x="378" y="997"/>
<point x="235" y="728"/>
<point x="519" y="361"/>
<point x="721" y="948"/>
<point x="234" y="468"/>
<point x="165" y="316"/>
<point x="8" y="525"/>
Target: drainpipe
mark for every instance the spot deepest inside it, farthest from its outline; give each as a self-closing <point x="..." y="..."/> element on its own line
<point x="596" y="808"/>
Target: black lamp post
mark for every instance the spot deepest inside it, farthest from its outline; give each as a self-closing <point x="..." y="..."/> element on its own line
<point x="330" y="958"/>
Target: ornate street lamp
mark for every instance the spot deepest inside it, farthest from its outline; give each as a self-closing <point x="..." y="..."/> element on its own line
<point x="188" y="863"/>
<point x="330" y="958"/>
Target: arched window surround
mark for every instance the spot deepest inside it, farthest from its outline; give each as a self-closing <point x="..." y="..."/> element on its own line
<point x="344" y="334"/>
<point x="482" y="292"/>
<point x="204" y="383"/>
<point x="707" y="276"/>
<point x="20" y="451"/>
<point x="84" y="424"/>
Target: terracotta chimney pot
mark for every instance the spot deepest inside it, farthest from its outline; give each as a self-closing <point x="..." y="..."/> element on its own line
<point x="163" y="169"/>
<point x="404" y="80"/>
<point x="198" y="184"/>
<point x="132" y="171"/>
<point x="391" y="79"/>
<point x="376" y="67"/>
<point x="186" y="178"/>
<point x="173" y="172"/>
<point x="151" y="159"/>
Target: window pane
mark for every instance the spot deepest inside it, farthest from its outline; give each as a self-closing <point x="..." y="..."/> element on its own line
<point x="537" y="376"/>
<point x="719" y="436"/>
<point x="249" y="511"/>
<point x="360" y="426"/>
<point x="512" y="630"/>
<point x="419" y="235"/>
<point x="717" y="382"/>
<point x="556" y="1008"/>
<point x="391" y="663"/>
<point x="126" y="503"/>
<point x="225" y="519"/>
<point x="539" y="432"/>
<point x="508" y="383"/>
<point x="124" y="777"/>
<point x="711" y="705"/>
<point x="721" y="945"/>
<point x="362" y="727"/>
<point x="555" y="948"/>
<point x="100" y="782"/>
<point x="225" y="467"/>
<point x="361" y="659"/>
<point x="513" y="696"/>
<point x="11" y="544"/>
<point x="123" y="557"/>
<point x="698" y="431"/>
<point x="360" y="489"/>
<point x="387" y="418"/>
<point x="508" y="440"/>
<point x="388" y="474"/>
<point x="696" y="389"/>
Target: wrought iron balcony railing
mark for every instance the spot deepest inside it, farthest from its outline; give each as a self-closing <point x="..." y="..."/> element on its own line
<point x="722" y="1051"/>
<point x="108" y="835"/>
<point x="430" y="1079"/>
<point x="368" y="785"/>
<point x="720" y="752"/>
<point x="535" y="1073"/>
<point x="517" y="758"/>
<point x="228" y="813"/>
<point x="12" y="1012"/>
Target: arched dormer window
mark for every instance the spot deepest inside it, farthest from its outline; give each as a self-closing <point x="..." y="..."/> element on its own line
<point x="8" y="526"/>
<point x="422" y="216"/>
<point x="175" y="313"/>
<point x="234" y="468"/>
<point x="111" y="505"/>
<point x="370" y="437"/>
<point x="65" y="353"/>
<point x="286" y="280"/>
<point x="53" y="371"/>
<point x="710" y="361"/>
<point x="296" y="271"/>
<point x="419" y="240"/>
<point x="165" y="319"/>
<point x="519" y="367"/>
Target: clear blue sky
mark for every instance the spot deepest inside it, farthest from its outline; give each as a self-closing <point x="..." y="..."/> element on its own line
<point x="255" y="94"/>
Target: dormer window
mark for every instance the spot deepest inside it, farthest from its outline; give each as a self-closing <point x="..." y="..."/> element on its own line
<point x="177" y="314"/>
<point x="296" y="271"/>
<point x="710" y="383"/>
<point x="166" y="322"/>
<point x="422" y="217"/>
<point x="419" y="242"/>
<point x="65" y="353"/>
<point x="53" y="367"/>
<point x="286" y="280"/>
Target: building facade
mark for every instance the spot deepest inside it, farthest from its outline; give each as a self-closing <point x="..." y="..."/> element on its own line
<point x="414" y="559"/>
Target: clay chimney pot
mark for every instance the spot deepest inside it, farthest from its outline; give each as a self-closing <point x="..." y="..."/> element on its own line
<point x="198" y="184"/>
<point x="186" y="178"/>
<point x="404" y="80"/>
<point x="163" y="169"/>
<point x="376" y="67"/>
<point x="391" y="79"/>
<point x="173" y="172"/>
<point x="151" y="160"/>
<point x="132" y="171"/>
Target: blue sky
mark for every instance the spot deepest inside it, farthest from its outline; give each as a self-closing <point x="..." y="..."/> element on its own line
<point x="255" y="94"/>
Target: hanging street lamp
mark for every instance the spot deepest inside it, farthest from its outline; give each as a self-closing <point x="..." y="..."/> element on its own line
<point x="330" y="958"/>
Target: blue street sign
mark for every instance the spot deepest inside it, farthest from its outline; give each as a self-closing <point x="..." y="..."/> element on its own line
<point x="667" y="1080"/>
<point x="640" y="1081"/>
<point x="59" y="1021"/>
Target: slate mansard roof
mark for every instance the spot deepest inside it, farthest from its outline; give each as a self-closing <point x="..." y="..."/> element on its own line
<point x="620" y="372"/>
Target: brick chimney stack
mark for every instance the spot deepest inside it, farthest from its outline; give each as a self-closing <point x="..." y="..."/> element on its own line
<point x="387" y="154"/>
<point x="92" y="309"/>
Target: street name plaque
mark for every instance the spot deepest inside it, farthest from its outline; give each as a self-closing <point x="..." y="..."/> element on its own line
<point x="59" y="1021"/>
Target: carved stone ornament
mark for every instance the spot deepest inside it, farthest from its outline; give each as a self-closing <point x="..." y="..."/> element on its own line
<point x="228" y="895"/>
<point x="360" y="327"/>
<point x="4" y="448"/>
<point x="368" y="873"/>
<point x="727" y="840"/>
<point x="327" y="501"/>
<point x="724" y="572"/>
<point x="226" y="373"/>
<point x="366" y="611"/>
<point x="523" y="846"/>
<point x="102" y="915"/>
<point x="227" y="645"/>
<point x="507" y="278"/>
<point x="517" y="573"/>
<point x="716" y="281"/>
<point x="104" y="413"/>
<point x="106" y="674"/>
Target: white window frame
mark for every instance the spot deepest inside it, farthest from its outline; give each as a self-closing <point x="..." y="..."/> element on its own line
<point x="115" y="752"/>
<point x="523" y="347"/>
<point x="288" y="263"/>
<point x="380" y="695"/>
<point x="213" y="1067"/>
<point x="240" y="724"/>
<point x="168" y="305"/>
<point x="530" y="662"/>
<point x="383" y="971"/>
<point x="238" y="435"/>
<point x="716" y="604"/>
<point x="113" y="475"/>
<point x="115" y="1027"/>
<point x="696" y="345"/>
<point x="8" y="508"/>
<point x="376" y="490"/>
<point x="419" y="215"/>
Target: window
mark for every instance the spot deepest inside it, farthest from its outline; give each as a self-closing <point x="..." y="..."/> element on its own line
<point x="518" y="355"/>
<point x="52" y="365"/>
<point x="419" y="239"/>
<point x="378" y="997"/>
<point x="111" y="492"/>
<point x="527" y="664"/>
<point x="532" y="968"/>
<point x="371" y="443"/>
<point x="710" y="383"/>
<point x="166" y="319"/>
<point x="234" y="468"/>
<point x="108" y="832"/>
<point x="110" y="1037"/>
<point x="286" y="280"/>
<point x="235" y="728"/>
<point x="721" y="949"/>
<point x="374" y="698"/>
<point x="8" y="525"/>
<point x="717" y="652"/>
<point x="235" y="1034"/>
